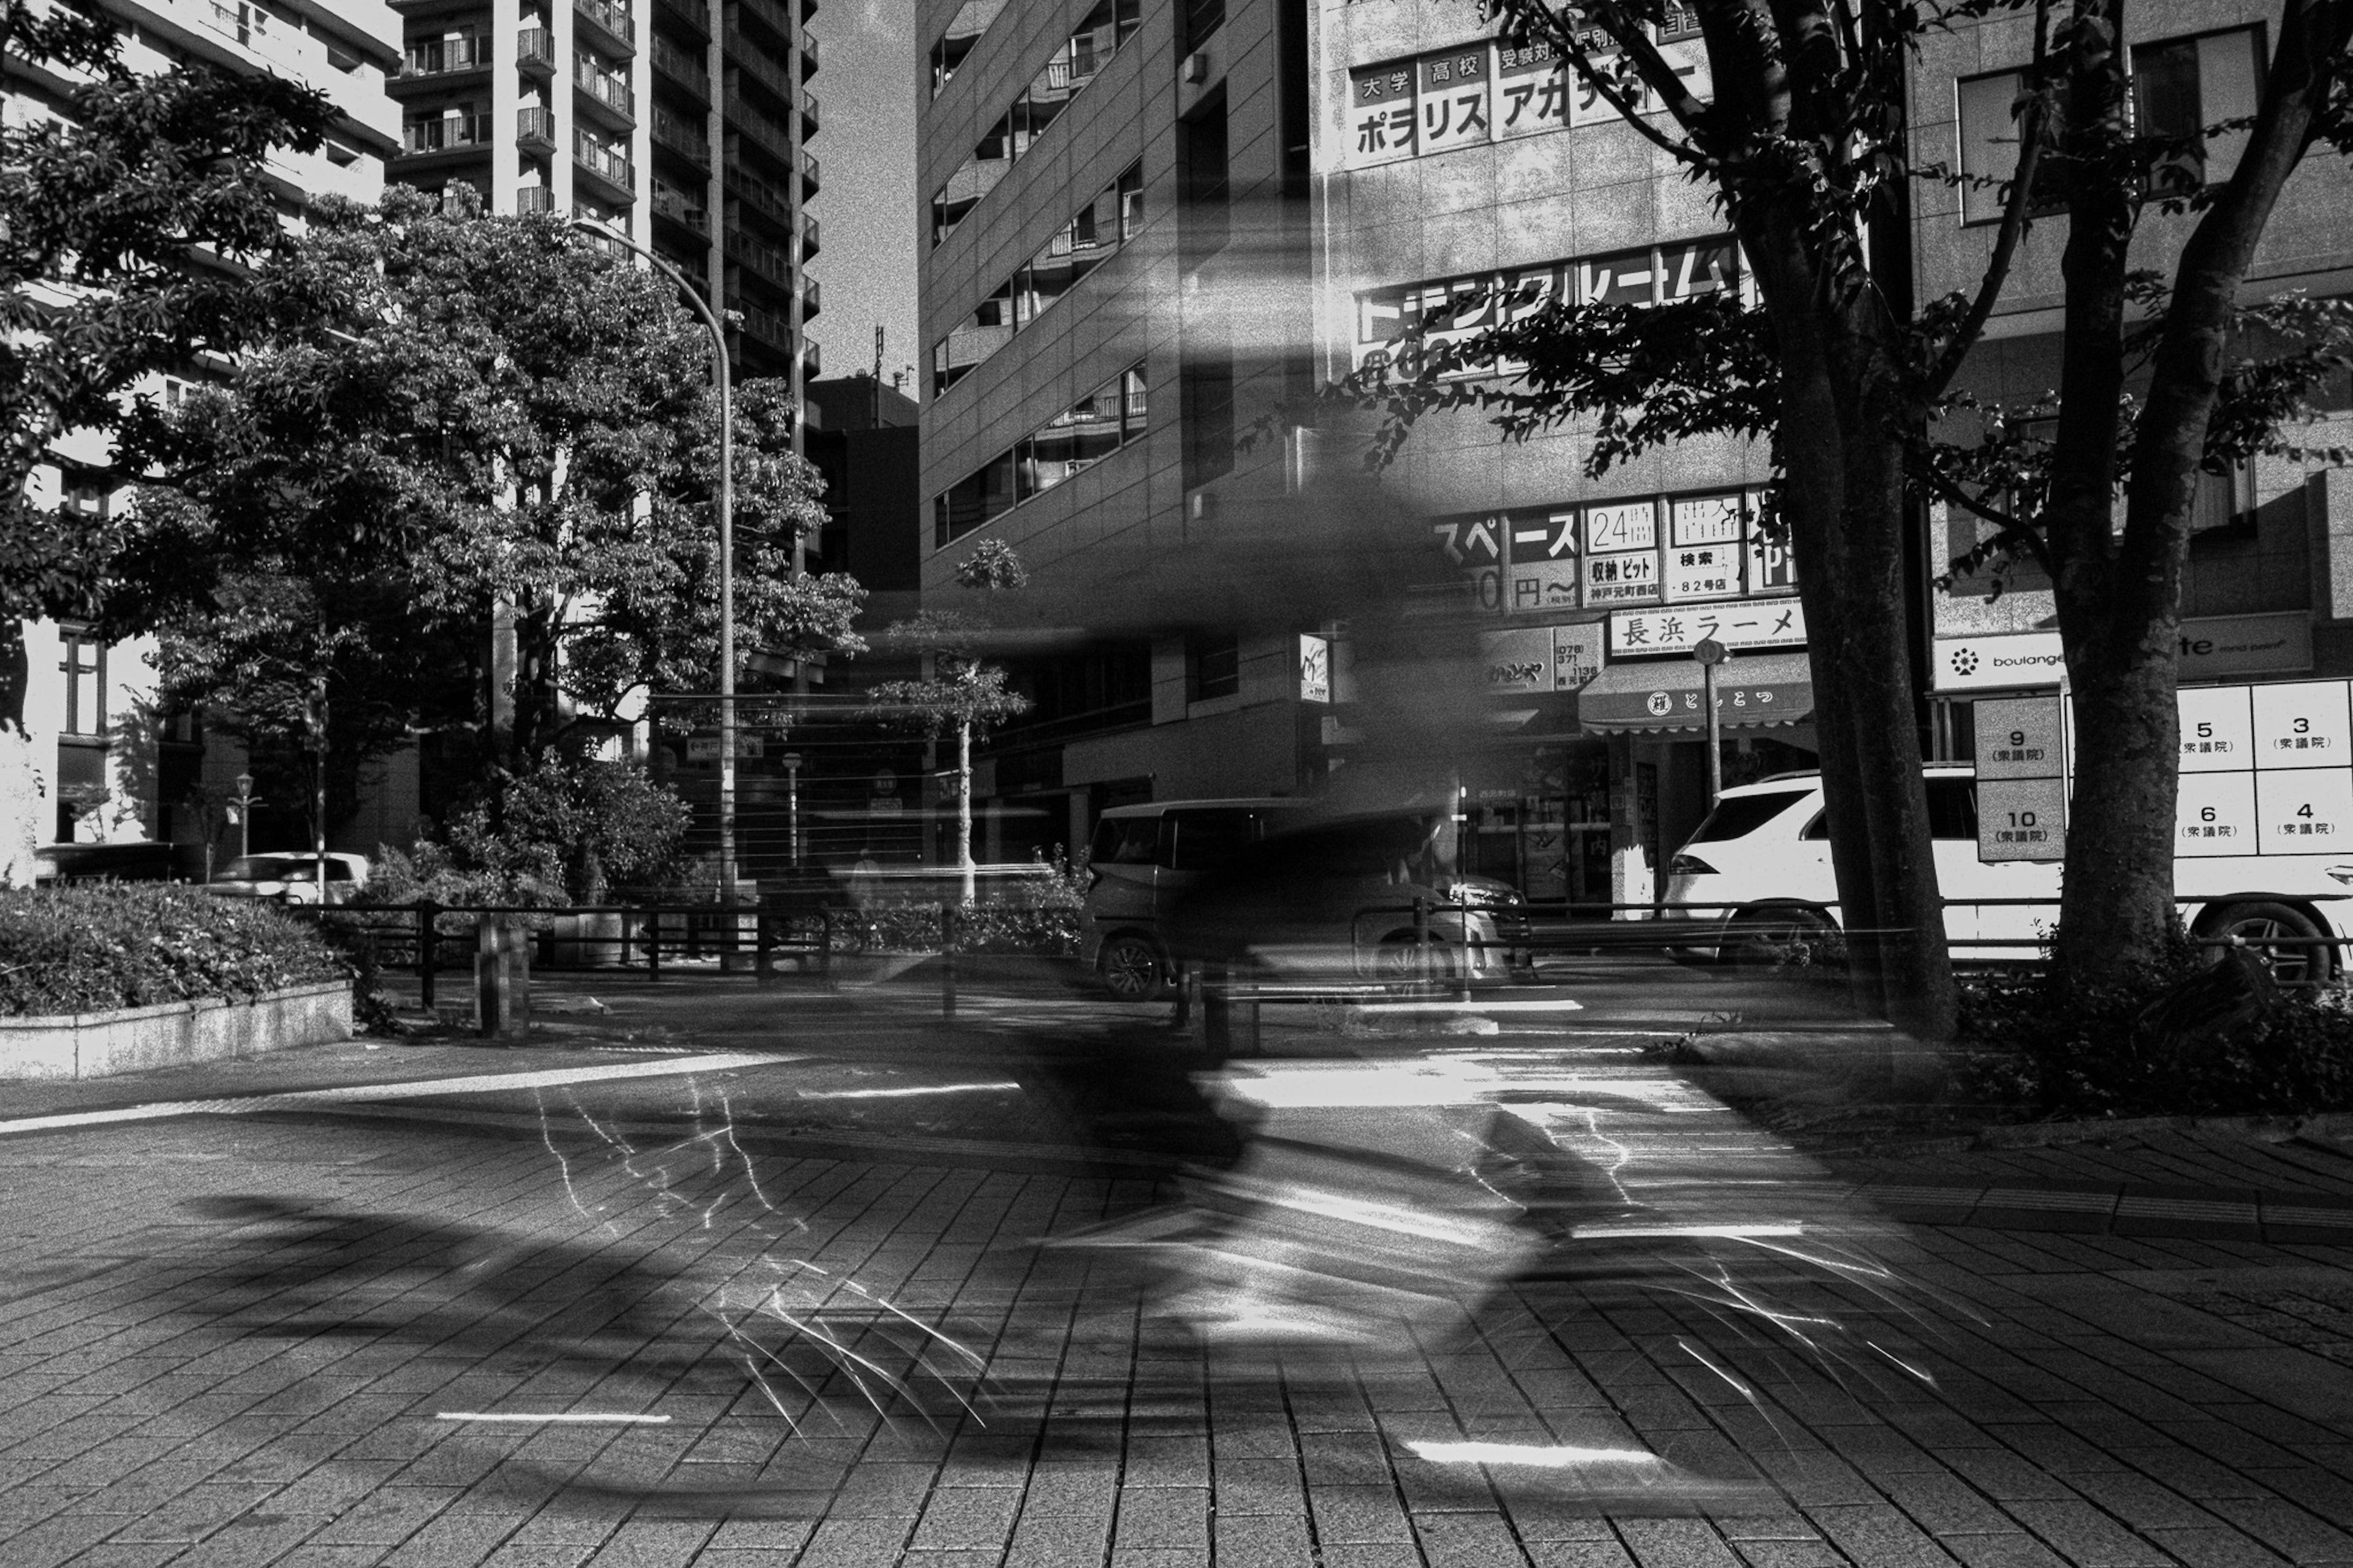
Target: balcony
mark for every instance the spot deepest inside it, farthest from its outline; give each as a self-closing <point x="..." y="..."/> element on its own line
<point x="812" y="299"/>
<point x="745" y="59"/>
<point x="609" y="95"/>
<point x="808" y="114"/>
<point x="773" y="19"/>
<point x="809" y="55"/>
<point x="446" y="134"/>
<point x="759" y="131"/>
<point x="441" y="60"/>
<point x="682" y="67"/>
<point x="808" y="175"/>
<point x="535" y="128"/>
<point x="809" y="238"/>
<point x="612" y="178"/>
<point x="809" y="10"/>
<point x="764" y="324"/>
<point x="535" y="52"/>
<point x="613" y="20"/>
<point x="812" y="362"/>
<point x="694" y="13"/>
<point x="750" y="190"/>
<point x="768" y="260"/>
<point x="681" y="136"/>
<point x="534" y="199"/>
<point x="675" y="204"/>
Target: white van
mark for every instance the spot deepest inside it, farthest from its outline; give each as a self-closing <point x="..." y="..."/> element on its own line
<point x="1764" y="852"/>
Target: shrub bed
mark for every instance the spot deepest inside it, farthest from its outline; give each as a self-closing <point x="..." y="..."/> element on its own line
<point x="983" y="928"/>
<point x="95" y="949"/>
<point x="2028" y="1047"/>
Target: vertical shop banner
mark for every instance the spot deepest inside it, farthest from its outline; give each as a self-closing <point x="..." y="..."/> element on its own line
<point x="1532" y="90"/>
<point x="1576" y="656"/>
<point x="2022" y="779"/>
<point x="1771" y="568"/>
<point x="1454" y="101"/>
<point x="1382" y="115"/>
<point x="1314" y="666"/>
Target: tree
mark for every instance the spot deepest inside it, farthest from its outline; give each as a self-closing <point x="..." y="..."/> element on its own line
<point x="2199" y="384"/>
<point x="468" y="423"/>
<point x="125" y="234"/>
<point x="963" y="695"/>
<point x="1806" y="145"/>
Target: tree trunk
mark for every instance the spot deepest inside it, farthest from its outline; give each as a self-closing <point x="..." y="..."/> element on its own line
<point x="963" y="809"/>
<point x="1842" y="458"/>
<point x="2120" y="603"/>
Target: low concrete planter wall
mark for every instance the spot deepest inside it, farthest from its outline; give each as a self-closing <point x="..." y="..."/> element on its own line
<point x="133" y="1039"/>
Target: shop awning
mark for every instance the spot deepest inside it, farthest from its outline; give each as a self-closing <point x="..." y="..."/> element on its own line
<point x="1751" y="691"/>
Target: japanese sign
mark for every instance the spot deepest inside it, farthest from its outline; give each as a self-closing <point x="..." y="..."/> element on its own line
<point x="1454" y="99"/>
<point x="1712" y="572"/>
<point x="1650" y="634"/>
<point x="1517" y="661"/>
<point x="1627" y="579"/>
<point x="1576" y="656"/>
<point x="2301" y="724"/>
<point x="2214" y="814"/>
<point x="2218" y="733"/>
<point x="1532" y="90"/>
<point x="2304" y="811"/>
<point x="2022" y="779"/>
<point x="1315" y="667"/>
<point x="1382" y="114"/>
<point x="1708" y="520"/>
<point x="1621" y="525"/>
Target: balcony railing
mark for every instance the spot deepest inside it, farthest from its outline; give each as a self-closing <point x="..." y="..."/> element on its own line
<point x="681" y="67"/>
<point x="745" y="57"/>
<point x="810" y="54"/>
<point x="612" y="92"/>
<point x="764" y="324"/>
<point x="607" y="163"/>
<point x="693" y="13"/>
<point x="536" y="123"/>
<point x="615" y="19"/>
<point x="535" y="47"/>
<point x="770" y="14"/>
<point x="534" y="199"/>
<point x="766" y="259"/>
<point x="446" y="134"/>
<point x="681" y="136"/>
<point x="808" y="170"/>
<point x="761" y="197"/>
<point x="812" y="359"/>
<point x="444" y="56"/>
<point x="673" y="203"/>
<point x="812" y="298"/>
<point x="809" y="108"/>
<point x="809" y="246"/>
<point x="760" y="130"/>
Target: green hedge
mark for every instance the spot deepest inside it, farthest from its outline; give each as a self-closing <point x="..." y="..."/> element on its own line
<point x="94" y="949"/>
<point x="983" y="928"/>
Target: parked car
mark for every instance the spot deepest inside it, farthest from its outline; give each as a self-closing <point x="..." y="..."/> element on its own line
<point x="291" y="878"/>
<point x="61" y="865"/>
<point x="1274" y="886"/>
<point x="1764" y="854"/>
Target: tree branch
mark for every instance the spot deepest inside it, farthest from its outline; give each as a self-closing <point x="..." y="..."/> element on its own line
<point x="2013" y="218"/>
<point x="2014" y="531"/>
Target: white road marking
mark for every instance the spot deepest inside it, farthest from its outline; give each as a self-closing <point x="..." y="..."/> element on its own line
<point x="577" y="1417"/>
<point x="901" y="1093"/>
<point x="489" y="1083"/>
<point x="1549" y="1456"/>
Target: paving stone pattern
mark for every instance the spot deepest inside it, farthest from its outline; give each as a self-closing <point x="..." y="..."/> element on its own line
<point x="230" y="1341"/>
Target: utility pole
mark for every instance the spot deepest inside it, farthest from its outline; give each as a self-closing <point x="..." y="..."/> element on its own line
<point x="878" y="375"/>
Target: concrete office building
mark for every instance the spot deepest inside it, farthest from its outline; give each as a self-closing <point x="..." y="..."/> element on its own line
<point x="114" y="769"/>
<point x="1088" y="173"/>
<point x="682" y="124"/>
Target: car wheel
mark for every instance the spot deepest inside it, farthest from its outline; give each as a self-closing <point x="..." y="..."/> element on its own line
<point x="2262" y="927"/>
<point x="1778" y="939"/>
<point x="1396" y="962"/>
<point x="1132" y="970"/>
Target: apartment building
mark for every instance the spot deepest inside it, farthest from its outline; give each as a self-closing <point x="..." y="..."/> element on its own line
<point x="112" y="765"/>
<point x="1102" y="190"/>
<point x="682" y="124"/>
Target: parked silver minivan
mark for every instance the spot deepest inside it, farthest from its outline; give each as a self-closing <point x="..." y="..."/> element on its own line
<point x="1357" y="918"/>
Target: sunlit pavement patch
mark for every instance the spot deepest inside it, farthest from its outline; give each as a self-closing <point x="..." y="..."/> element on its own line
<point x="489" y="1083"/>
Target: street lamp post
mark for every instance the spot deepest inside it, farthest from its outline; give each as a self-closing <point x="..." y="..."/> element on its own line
<point x="244" y="816"/>
<point x="792" y="761"/>
<point x="727" y="881"/>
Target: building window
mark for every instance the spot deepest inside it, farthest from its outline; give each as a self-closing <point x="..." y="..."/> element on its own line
<point x="84" y="668"/>
<point x="965" y="30"/>
<point x="1207" y="183"/>
<point x="1079" y="436"/>
<point x="1213" y="665"/>
<point x="1091" y="237"/>
<point x="2179" y="87"/>
<point x="1199" y="18"/>
<point x="1205" y="396"/>
<point x="1080" y="59"/>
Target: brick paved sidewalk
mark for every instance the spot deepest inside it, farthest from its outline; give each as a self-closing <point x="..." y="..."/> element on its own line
<point x="230" y="1339"/>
